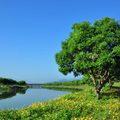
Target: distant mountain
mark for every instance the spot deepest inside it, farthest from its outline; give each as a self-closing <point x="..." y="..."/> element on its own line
<point x="65" y="80"/>
<point x="62" y="80"/>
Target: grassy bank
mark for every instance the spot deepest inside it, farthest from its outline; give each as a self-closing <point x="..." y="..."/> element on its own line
<point x="6" y="87"/>
<point x="7" y="83"/>
<point x="78" y="87"/>
<point x="81" y="105"/>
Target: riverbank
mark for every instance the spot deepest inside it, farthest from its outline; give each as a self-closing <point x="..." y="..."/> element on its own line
<point x="7" y="83"/>
<point x="7" y="87"/>
<point x="74" y="106"/>
<point x="77" y="87"/>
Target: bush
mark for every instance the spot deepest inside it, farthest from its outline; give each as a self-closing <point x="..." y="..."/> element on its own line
<point x="7" y="81"/>
<point x="22" y="83"/>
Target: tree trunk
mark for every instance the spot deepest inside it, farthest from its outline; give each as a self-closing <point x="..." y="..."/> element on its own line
<point x="100" y="82"/>
<point x="102" y="90"/>
<point x="94" y="82"/>
<point x="98" y="91"/>
<point x="110" y="84"/>
<point x="98" y="94"/>
<point x="95" y="90"/>
<point x="101" y="86"/>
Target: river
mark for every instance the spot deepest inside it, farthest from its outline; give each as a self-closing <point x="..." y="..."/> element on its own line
<point x="18" y="98"/>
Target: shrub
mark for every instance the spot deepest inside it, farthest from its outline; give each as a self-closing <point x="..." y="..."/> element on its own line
<point x="22" y="83"/>
<point x="7" y="81"/>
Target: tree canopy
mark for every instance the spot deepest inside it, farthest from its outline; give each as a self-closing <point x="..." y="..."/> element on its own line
<point x="94" y="50"/>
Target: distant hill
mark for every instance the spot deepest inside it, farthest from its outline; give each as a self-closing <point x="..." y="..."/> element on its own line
<point x="62" y="80"/>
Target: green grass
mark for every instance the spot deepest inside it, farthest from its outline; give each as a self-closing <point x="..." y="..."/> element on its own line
<point x="81" y="105"/>
<point x="69" y="87"/>
<point x="7" y="87"/>
<point x="117" y="84"/>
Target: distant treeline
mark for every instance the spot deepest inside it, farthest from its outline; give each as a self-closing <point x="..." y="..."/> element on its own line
<point x="8" y="81"/>
<point x="74" y="82"/>
<point x="85" y="80"/>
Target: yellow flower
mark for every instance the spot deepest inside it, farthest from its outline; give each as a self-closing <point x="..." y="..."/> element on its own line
<point x="116" y="113"/>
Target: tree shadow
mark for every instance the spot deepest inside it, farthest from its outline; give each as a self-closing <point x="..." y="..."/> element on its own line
<point x="114" y="92"/>
<point x="115" y="87"/>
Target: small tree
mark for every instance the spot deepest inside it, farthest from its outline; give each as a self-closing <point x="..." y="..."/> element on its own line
<point x="22" y="83"/>
<point x="94" y="50"/>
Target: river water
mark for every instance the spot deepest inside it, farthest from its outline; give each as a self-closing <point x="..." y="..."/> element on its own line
<point x="18" y="98"/>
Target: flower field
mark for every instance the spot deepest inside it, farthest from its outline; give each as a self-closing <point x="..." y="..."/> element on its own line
<point x="81" y="105"/>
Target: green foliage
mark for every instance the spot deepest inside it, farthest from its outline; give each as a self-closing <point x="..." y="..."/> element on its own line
<point x="74" y="82"/>
<point x="22" y="83"/>
<point x="93" y="50"/>
<point x="7" y="81"/>
<point x="87" y="80"/>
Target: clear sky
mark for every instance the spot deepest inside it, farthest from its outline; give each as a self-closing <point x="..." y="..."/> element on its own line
<point x="31" y="32"/>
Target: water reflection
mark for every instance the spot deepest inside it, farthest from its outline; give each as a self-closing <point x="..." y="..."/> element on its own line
<point x="4" y="94"/>
<point x="13" y="99"/>
<point x="63" y="89"/>
<point x="38" y="86"/>
<point x="33" y="86"/>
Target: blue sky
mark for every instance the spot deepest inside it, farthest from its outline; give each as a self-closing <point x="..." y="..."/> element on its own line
<point x="31" y="32"/>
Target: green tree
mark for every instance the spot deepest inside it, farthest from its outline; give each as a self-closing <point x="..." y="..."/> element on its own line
<point x="22" y="83"/>
<point x="94" y="50"/>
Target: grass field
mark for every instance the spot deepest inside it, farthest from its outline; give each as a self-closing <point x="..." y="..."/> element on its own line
<point x="82" y="105"/>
